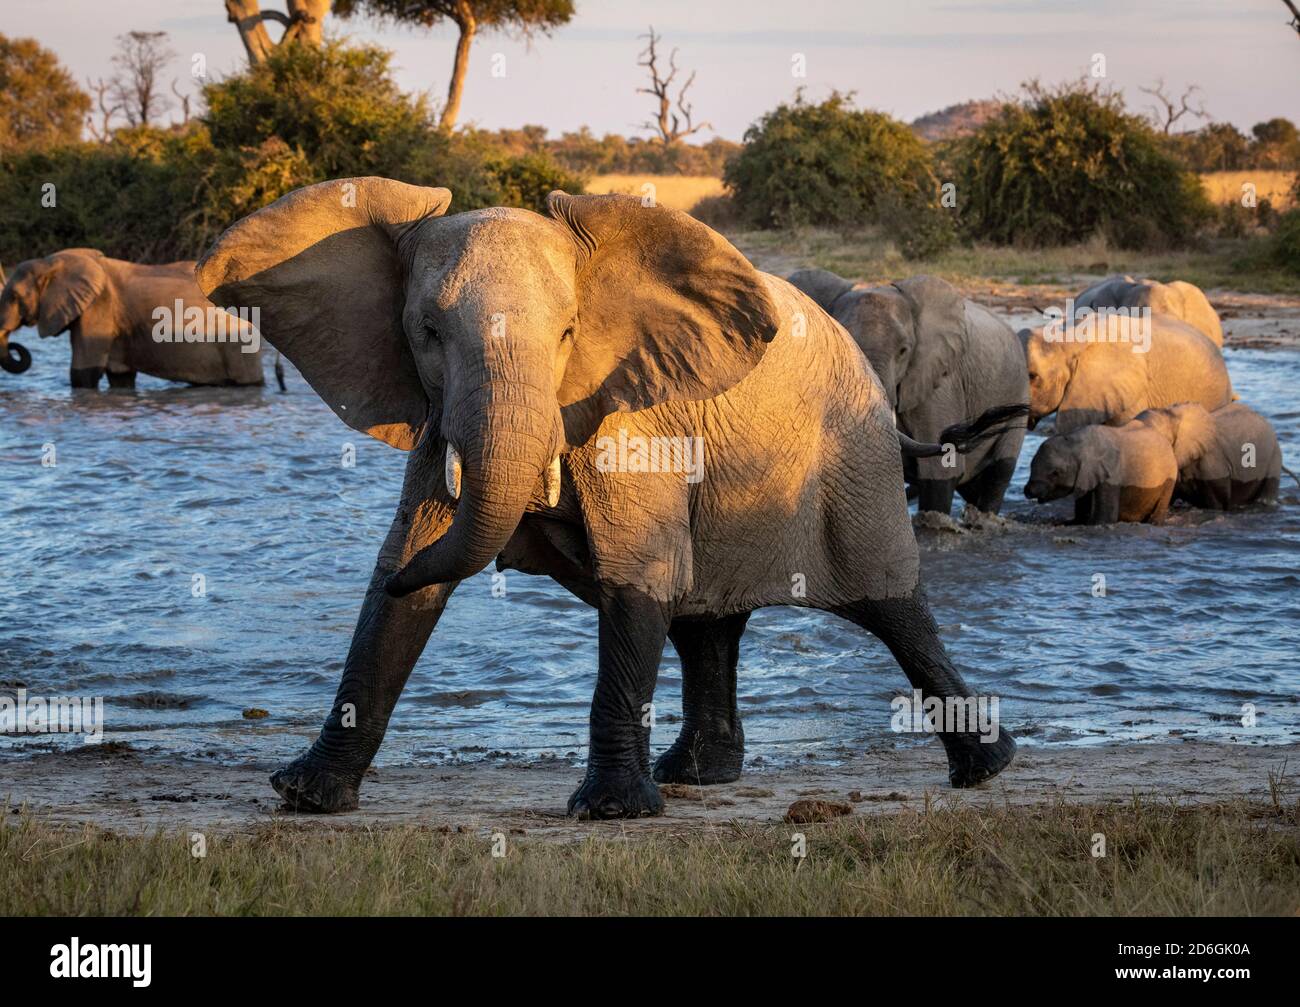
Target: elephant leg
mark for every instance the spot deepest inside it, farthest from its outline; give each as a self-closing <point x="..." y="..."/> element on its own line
<point x="711" y="745"/>
<point x="935" y="494"/>
<point x="907" y="628"/>
<point x="123" y="379"/>
<point x="85" y="377"/>
<point x="389" y="637"/>
<point x="1101" y="506"/>
<point x="986" y="490"/>
<point x="633" y="630"/>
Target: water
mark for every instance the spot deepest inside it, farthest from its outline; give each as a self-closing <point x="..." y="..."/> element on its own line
<point x="245" y="487"/>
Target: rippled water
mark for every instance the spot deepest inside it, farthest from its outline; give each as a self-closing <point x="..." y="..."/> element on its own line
<point x="246" y="488"/>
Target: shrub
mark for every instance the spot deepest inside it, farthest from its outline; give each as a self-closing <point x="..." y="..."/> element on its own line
<point x="304" y="116"/>
<point x="1286" y="242"/>
<point x="1066" y="163"/>
<point x="831" y="165"/>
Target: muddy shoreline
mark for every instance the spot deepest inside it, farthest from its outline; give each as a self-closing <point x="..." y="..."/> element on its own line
<point x="131" y="791"/>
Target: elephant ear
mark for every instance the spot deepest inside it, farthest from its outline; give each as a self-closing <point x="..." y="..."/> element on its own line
<point x="1099" y="458"/>
<point x="1195" y="433"/>
<point x="323" y="267"/>
<point x="668" y="310"/>
<point x="70" y="286"/>
<point x="939" y="316"/>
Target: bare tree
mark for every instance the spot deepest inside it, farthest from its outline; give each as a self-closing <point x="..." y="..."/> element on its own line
<point x="136" y="88"/>
<point x="1295" y="15"/>
<point x="105" y="107"/>
<point x="304" y="23"/>
<point x="1169" y="111"/>
<point x="668" y="123"/>
<point x="184" y="100"/>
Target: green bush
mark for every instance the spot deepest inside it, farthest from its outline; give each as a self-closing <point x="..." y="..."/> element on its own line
<point x="1286" y="242"/>
<point x="1067" y="163"/>
<point x="832" y="165"/>
<point x="304" y="116"/>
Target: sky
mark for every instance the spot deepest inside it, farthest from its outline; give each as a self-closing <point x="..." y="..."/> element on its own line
<point x="904" y="57"/>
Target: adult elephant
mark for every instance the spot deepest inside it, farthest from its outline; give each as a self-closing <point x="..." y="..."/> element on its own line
<point x="942" y="360"/>
<point x="1109" y="370"/>
<point x="1178" y="299"/>
<point x="125" y="318"/>
<point x="556" y="380"/>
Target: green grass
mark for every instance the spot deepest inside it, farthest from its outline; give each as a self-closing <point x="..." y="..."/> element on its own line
<point x="1226" y="859"/>
<point x="1234" y="264"/>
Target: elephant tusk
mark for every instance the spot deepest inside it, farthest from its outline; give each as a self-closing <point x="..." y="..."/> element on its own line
<point x="452" y="471"/>
<point x="551" y="482"/>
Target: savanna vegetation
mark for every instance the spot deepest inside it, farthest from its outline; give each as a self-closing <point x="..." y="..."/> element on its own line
<point x="1160" y="860"/>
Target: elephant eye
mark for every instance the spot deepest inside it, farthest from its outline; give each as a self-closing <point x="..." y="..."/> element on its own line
<point x="567" y="335"/>
<point x="431" y="331"/>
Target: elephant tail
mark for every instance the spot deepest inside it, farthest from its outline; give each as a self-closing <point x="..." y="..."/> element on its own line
<point x="964" y="436"/>
<point x="279" y="370"/>
<point x="1294" y="477"/>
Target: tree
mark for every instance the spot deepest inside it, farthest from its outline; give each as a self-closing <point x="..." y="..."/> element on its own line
<point x="667" y="123"/>
<point x="1295" y="15"/>
<point x="1168" y="111"/>
<point x="1277" y="144"/>
<point x="469" y="17"/>
<point x="40" y="103"/>
<point x="136" y="88"/>
<point x="304" y="23"/>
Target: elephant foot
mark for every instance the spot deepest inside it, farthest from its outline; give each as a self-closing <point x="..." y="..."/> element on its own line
<point x="701" y="760"/>
<point x="615" y="794"/>
<point x="308" y="785"/>
<point x="972" y="761"/>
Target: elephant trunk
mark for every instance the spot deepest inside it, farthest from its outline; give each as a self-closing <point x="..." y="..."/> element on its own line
<point x="14" y="357"/>
<point x="510" y="441"/>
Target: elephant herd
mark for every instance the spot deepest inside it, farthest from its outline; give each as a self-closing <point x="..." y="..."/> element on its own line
<point x="1132" y="369"/>
<point x="537" y="366"/>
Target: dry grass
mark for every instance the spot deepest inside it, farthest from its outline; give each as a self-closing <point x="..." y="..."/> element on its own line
<point x="866" y="256"/>
<point x="1160" y="860"/>
<point x="1226" y="186"/>
<point x="678" y="192"/>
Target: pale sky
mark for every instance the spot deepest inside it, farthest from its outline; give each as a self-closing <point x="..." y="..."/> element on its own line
<point x="905" y="57"/>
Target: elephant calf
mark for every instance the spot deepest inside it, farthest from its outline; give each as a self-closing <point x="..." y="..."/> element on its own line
<point x="1109" y="370"/>
<point x="942" y="360"/>
<point x="1226" y="459"/>
<point x="123" y="318"/>
<point x="1123" y="473"/>
<point x="1179" y="300"/>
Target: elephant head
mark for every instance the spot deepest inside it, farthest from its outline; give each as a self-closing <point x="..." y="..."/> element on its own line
<point x="1051" y="365"/>
<point x="507" y="334"/>
<point x="1070" y="464"/>
<point x="50" y="293"/>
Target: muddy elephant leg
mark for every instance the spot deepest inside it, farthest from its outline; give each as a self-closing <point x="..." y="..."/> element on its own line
<point x="389" y="637"/>
<point x="986" y="490"/>
<point x="85" y="377"/>
<point x="907" y="628"/>
<point x="935" y="494"/>
<point x="1101" y="506"/>
<point x="711" y="745"/>
<point x="633" y="630"/>
<point x="123" y="379"/>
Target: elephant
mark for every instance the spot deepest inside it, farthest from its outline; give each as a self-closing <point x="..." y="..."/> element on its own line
<point x="1180" y="300"/>
<point x="942" y="360"/>
<point x="1109" y="370"/>
<point x="1227" y="459"/>
<point x="611" y="395"/>
<point x="1115" y="474"/>
<point x="125" y="317"/>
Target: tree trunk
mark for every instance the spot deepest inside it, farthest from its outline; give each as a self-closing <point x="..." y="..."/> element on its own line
<point x="252" y="29"/>
<point x="304" y="23"/>
<point x="468" y="25"/>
